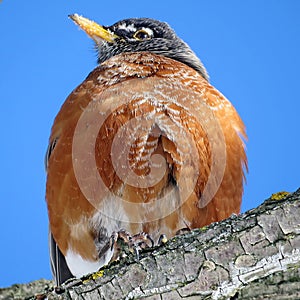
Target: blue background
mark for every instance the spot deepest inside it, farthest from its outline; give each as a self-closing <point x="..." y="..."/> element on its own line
<point x="251" y="49"/>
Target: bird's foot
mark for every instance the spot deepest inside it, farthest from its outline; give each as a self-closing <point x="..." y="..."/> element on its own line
<point x="124" y="243"/>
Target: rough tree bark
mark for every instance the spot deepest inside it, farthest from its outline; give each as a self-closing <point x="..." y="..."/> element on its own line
<point x="255" y="255"/>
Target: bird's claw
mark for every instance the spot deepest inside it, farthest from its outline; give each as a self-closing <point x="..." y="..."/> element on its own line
<point x="123" y="242"/>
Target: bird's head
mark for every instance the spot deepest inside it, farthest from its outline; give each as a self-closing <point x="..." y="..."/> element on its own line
<point x="139" y="35"/>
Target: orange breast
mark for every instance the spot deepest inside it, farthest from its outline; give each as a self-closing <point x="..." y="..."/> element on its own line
<point x="144" y="144"/>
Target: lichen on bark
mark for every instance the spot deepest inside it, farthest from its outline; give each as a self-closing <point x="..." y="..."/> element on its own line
<point x="255" y="255"/>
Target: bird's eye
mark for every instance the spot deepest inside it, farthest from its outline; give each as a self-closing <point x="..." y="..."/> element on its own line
<point x="142" y="35"/>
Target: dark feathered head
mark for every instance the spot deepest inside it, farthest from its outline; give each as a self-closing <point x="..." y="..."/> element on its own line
<point x="139" y="35"/>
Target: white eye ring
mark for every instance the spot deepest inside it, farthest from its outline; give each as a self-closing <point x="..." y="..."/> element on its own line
<point x="142" y="35"/>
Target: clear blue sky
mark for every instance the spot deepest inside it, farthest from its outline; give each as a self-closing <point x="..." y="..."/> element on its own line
<point x="251" y="49"/>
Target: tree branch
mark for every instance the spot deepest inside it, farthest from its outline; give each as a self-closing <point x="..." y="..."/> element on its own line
<point x="255" y="255"/>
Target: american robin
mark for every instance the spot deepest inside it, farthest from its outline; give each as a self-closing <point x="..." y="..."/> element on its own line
<point x="143" y="147"/>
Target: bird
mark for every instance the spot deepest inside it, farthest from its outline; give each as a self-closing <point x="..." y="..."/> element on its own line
<point x="143" y="149"/>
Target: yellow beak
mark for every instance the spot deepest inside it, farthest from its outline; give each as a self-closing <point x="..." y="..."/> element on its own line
<point x="92" y="29"/>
